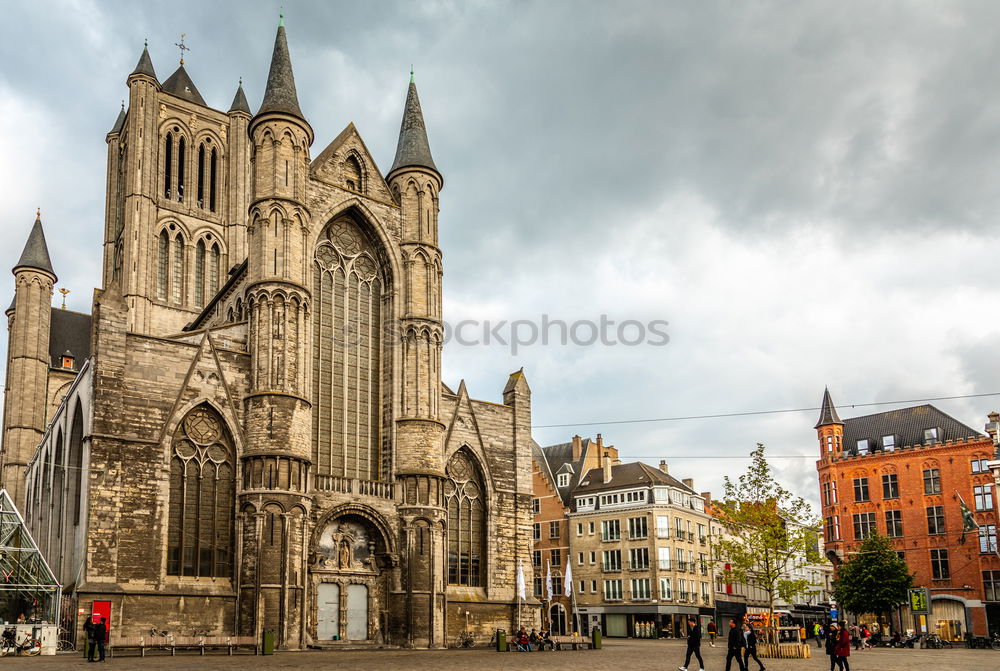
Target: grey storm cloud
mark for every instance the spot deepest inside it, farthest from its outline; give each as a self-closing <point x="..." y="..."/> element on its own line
<point x="804" y="190"/>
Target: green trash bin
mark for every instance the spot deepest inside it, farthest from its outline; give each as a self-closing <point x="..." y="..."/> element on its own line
<point x="501" y="640"/>
<point x="595" y="639"/>
<point x="267" y="643"/>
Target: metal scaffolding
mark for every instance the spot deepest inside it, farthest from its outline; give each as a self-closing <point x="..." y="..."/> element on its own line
<point x="27" y="584"/>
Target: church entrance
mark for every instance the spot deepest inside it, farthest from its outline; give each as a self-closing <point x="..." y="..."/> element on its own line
<point x="350" y="567"/>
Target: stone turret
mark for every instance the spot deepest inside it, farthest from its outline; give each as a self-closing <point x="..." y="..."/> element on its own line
<point x="278" y="412"/>
<point x="27" y="361"/>
<point x="239" y="157"/>
<point x="829" y="428"/>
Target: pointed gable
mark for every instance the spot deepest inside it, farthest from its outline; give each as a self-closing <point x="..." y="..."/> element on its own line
<point x="329" y="165"/>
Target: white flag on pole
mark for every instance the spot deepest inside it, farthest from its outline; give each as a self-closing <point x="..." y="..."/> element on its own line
<point x="520" y="581"/>
<point x="568" y="580"/>
<point x="548" y="579"/>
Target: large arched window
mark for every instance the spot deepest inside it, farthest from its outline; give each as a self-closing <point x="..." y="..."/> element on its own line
<point x="162" y="265"/>
<point x="202" y="497"/>
<point x="177" y="279"/>
<point x="465" y="496"/>
<point x="168" y="164"/>
<point x="348" y="286"/>
<point x="180" y="168"/>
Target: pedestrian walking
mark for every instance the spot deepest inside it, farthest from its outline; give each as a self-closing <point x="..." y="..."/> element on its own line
<point x="855" y="635"/>
<point x="101" y="637"/>
<point x="712" y="632"/>
<point x="735" y="643"/>
<point x="843" y="648"/>
<point x="818" y="634"/>
<point x="832" y="635"/>
<point x="694" y="646"/>
<point x="750" y="636"/>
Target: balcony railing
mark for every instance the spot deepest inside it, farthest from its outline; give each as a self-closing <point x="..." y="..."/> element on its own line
<point x="374" y="488"/>
<point x="682" y="596"/>
<point x="691" y="536"/>
<point x="703" y="540"/>
<point x="611" y="568"/>
<point x="638" y="566"/>
<point x="663" y="533"/>
<point x="680" y="566"/>
<point x="664" y="564"/>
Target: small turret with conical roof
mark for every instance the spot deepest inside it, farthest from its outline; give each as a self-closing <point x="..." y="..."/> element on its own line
<point x="829" y="428"/>
<point x="145" y="64"/>
<point x="27" y="359"/>
<point x="412" y="149"/>
<point x="240" y="103"/>
<point x="280" y="95"/>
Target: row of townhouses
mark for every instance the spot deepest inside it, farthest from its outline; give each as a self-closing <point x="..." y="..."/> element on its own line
<point x="639" y="545"/>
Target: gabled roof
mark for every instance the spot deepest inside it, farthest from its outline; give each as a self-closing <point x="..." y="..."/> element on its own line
<point x="280" y="94"/>
<point x="240" y="103"/>
<point x="35" y="253"/>
<point x="70" y="331"/>
<point x="907" y="424"/>
<point x="633" y="474"/>
<point x="557" y="457"/>
<point x="180" y="85"/>
<point x="413" y="150"/>
<point x="145" y="64"/>
<point x="828" y="411"/>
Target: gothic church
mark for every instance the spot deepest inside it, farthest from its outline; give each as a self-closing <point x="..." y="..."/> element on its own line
<point x="250" y="432"/>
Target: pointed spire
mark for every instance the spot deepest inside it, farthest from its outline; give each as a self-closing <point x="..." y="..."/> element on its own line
<point x="280" y="95"/>
<point x="180" y="85"/>
<point x="240" y="103"/>
<point x="145" y="64"/>
<point x="119" y="122"/>
<point x="828" y="411"/>
<point x="36" y="252"/>
<point x="413" y="149"/>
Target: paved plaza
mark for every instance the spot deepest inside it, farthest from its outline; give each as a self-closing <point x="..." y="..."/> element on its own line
<point x="616" y="655"/>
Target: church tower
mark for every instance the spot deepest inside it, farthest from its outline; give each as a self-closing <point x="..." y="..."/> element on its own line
<point x="419" y="454"/>
<point x="27" y="361"/>
<point x="277" y="409"/>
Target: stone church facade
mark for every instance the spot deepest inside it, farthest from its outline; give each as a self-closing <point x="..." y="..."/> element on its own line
<point x="252" y="433"/>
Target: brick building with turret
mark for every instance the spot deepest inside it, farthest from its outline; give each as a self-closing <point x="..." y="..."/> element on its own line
<point x="903" y="474"/>
<point x="251" y="432"/>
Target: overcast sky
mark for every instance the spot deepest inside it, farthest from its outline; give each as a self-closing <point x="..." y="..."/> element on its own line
<point x="806" y="191"/>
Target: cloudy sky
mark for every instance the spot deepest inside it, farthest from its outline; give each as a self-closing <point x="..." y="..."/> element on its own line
<point x="806" y="191"/>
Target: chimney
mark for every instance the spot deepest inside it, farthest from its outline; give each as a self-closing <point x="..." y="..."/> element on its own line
<point x="577" y="447"/>
<point x="600" y="441"/>
<point x="607" y="468"/>
<point x="663" y="466"/>
<point x="688" y="482"/>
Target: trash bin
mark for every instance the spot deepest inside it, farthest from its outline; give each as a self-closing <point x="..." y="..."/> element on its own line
<point x="501" y="640"/>
<point x="267" y="643"/>
<point x="596" y="639"/>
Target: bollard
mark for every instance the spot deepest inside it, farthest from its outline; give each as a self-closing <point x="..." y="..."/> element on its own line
<point x="501" y="640"/>
<point x="267" y="643"/>
<point x="596" y="639"/>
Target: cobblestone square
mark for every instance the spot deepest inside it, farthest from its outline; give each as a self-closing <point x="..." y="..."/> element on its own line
<point x="615" y="655"/>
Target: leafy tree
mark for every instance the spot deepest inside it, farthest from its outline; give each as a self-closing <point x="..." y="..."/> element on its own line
<point x="771" y="533"/>
<point x="875" y="580"/>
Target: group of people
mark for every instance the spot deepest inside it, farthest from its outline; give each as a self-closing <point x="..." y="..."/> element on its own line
<point x="536" y="640"/>
<point x="741" y="645"/>
<point x="838" y="645"/>
<point x="97" y="636"/>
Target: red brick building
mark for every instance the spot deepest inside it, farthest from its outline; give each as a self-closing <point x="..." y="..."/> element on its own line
<point x="901" y="473"/>
<point x="555" y="471"/>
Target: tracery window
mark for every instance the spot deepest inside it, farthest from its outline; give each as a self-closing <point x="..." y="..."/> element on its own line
<point x="177" y="281"/>
<point x="180" y="169"/>
<point x="162" y="266"/>
<point x="202" y="497"/>
<point x="465" y="495"/>
<point x="347" y="369"/>
<point x="168" y="160"/>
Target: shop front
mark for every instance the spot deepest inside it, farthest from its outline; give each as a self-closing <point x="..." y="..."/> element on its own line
<point x="638" y="621"/>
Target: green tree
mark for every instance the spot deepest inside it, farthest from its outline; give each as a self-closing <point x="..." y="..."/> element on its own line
<point x="875" y="580"/>
<point x="770" y="533"/>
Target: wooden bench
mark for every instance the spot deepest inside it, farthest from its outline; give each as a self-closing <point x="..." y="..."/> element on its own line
<point x="174" y="643"/>
<point x="560" y="642"/>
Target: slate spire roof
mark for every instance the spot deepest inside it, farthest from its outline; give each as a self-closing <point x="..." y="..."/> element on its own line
<point x="280" y="95"/>
<point x="36" y="252"/>
<point x="828" y="411"/>
<point x="412" y="149"/>
<point x="240" y="103"/>
<point x="120" y="121"/>
<point x="145" y="64"/>
<point x="180" y="85"/>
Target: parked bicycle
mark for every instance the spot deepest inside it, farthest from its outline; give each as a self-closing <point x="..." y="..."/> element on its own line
<point x="10" y="646"/>
<point x="935" y="642"/>
<point x="65" y="643"/>
<point x="465" y="640"/>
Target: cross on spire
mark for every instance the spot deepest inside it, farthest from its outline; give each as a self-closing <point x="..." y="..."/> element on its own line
<point x="180" y="45"/>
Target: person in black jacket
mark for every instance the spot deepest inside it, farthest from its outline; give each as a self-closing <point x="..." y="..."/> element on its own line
<point x="101" y="637"/>
<point x="736" y="645"/>
<point x="694" y="645"/>
<point x="831" y="641"/>
<point x="751" y="651"/>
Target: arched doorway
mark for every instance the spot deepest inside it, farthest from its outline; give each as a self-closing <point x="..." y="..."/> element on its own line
<point x="557" y="619"/>
<point x="349" y="564"/>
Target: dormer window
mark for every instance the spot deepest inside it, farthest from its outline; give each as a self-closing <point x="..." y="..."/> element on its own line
<point x="863" y="446"/>
<point x="932" y="435"/>
<point x="562" y="480"/>
<point x="68" y="360"/>
<point x="889" y="443"/>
